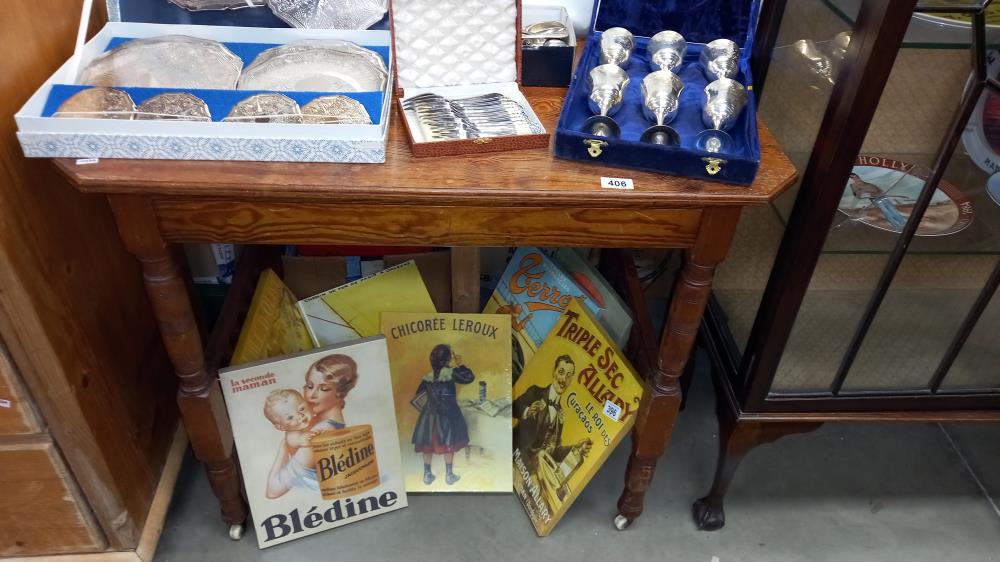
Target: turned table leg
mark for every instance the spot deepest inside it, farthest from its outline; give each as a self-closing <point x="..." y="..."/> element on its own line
<point x="198" y="397"/>
<point x="657" y="414"/>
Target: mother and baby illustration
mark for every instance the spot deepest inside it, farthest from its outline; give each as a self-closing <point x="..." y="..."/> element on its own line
<point x="318" y="409"/>
<point x="441" y="428"/>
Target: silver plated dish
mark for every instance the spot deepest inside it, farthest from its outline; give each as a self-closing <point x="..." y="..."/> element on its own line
<point x="302" y="45"/>
<point x="545" y="34"/>
<point x="169" y="61"/>
<point x="203" y="5"/>
<point x="97" y="103"/>
<point x="316" y="66"/>
<point x="265" y="108"/>
<point x="333" y="110"/>
<point x="329" y="14"/>
<point x="556" y="29"/>
<point x="174" y="106"/>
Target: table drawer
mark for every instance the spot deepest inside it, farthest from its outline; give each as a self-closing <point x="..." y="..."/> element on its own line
<point x="17" y="414"/>
<point x="276" y="222"/>
<point x="41" y="510"/>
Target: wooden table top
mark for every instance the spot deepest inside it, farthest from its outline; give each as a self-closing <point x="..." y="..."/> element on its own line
<point x="511" y="179"/>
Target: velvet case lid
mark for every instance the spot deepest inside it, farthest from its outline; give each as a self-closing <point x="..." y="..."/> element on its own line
<point x="459" y="48"/>
<point x="699" y="22"/>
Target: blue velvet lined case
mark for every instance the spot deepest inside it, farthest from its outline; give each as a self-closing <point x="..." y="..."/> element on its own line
<point x="699" y="21"/>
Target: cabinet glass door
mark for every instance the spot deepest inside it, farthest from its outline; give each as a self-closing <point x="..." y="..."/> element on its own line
<point x="843" y="344"/>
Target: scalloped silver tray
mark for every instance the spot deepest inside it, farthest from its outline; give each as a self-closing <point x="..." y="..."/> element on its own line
<point x="316" y="66"/>
<point x="167" y="61"/>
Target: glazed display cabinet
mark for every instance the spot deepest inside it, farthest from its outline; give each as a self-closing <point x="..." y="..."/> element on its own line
<point x="865" y="293"/>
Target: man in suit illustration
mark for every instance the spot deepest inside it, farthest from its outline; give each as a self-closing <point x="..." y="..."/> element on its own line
<point x="541" y="417"/>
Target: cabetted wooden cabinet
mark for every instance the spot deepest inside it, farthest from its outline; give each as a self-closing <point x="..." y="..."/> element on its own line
<point x="39" y="496"/>
<point x="87" y="417"/>
<point x="868" y="291"/>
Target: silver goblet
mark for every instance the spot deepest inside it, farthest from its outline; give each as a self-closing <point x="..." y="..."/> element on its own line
<point x="607" y="84"/>
<point x="720" y="59"/>
<point x="813" y="60"/>
<point x="724" y="101"/>
<point x="838" y="50"/>
<point x="666" y="50"/>
<point x="839" y="45"/>
<point x="617" y="45"/>
<point x="661" y="91"/>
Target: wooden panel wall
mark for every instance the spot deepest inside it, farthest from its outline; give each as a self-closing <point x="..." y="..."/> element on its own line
<point x="17" y="413"/>
<point x="41" y="510"/>
<point x="73" y="311"/>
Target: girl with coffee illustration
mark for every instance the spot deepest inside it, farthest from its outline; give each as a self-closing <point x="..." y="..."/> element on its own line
<point x="441" y="428"/>
<point x="318" y="409"/>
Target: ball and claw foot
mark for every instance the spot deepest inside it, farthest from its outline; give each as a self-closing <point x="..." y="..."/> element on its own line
<point x="708" y="516"/>
<point x="236" y="531"/>
<point x="622" y="522"/>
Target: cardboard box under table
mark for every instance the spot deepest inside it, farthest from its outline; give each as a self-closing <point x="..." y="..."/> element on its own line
<point x="699" y="23"/>
<point x="460" y="49"/>
<point x="42" y="135"/>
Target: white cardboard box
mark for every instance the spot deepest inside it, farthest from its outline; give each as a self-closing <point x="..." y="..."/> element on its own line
<point x="48" y="137"/>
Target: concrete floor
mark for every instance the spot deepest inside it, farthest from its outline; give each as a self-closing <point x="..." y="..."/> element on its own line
<point x="847" y="492"/>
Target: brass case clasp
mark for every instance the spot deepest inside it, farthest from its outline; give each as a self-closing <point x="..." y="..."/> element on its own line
<point x="713" y="165"/>
<point x="594" y="147"/>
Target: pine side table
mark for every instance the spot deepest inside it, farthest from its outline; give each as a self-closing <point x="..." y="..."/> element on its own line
<point x="497" y="199"/>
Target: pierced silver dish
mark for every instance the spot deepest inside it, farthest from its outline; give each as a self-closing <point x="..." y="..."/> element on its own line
<point x="203" y="5"/>
<point x="97" y="103"/>
<point x="266" y="108"/>
<point x="330" y="110"/>
<point x="173" y="106"/>
<point x="329" y="14"/>
<point x="316" y="66"/>
<point x="169" y="61"/>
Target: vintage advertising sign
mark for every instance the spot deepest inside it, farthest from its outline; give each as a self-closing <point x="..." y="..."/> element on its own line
<point x="452" y="383"/>
<point x="316" y="436"/>
<point x="881" y="193"/>
<point x="576" y="400"/>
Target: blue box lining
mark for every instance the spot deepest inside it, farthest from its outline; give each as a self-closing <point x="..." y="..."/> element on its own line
<point x="221" y="102"/>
